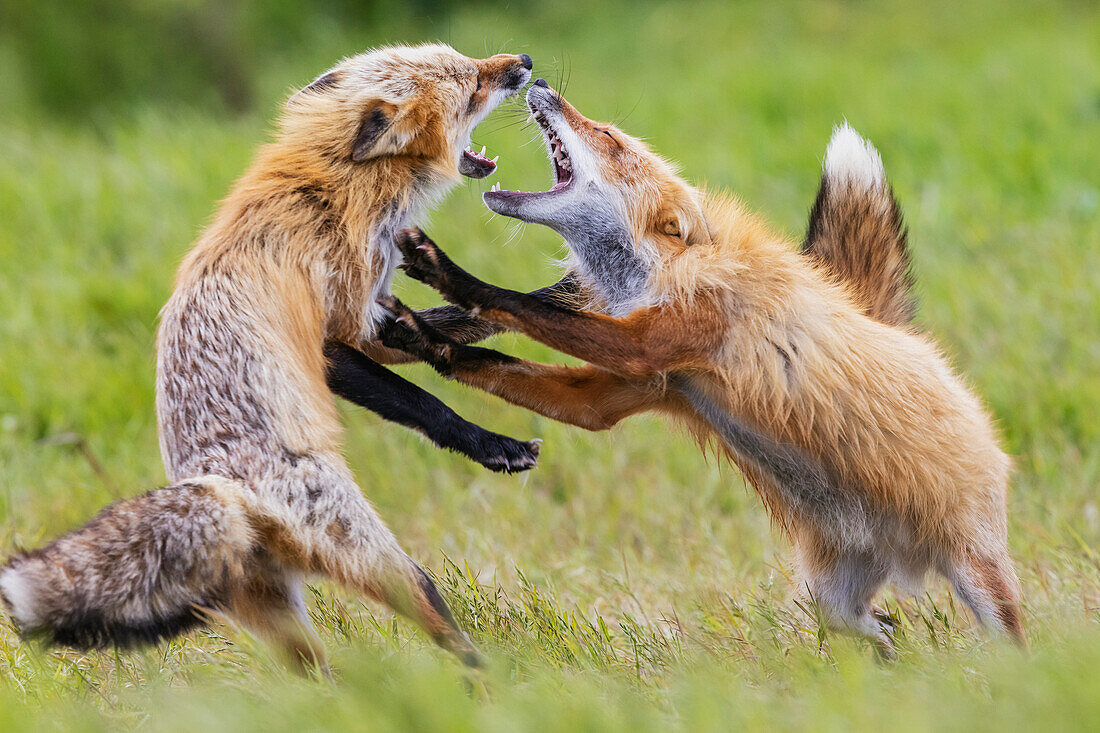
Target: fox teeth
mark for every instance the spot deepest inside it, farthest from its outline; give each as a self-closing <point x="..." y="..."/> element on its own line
<point x="482" y="153"/>
<point x="494" y="160"/>
<point x="496" y="187"/>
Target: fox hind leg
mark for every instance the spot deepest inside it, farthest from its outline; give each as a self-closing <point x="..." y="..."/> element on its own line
<point x="338" y="534"/>
<point x="987" y="583"/>
<point x="842" y="584"/>
<point x="270" y="604"/>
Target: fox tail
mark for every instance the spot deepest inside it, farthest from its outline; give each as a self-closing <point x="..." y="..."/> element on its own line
<point x="856" y="233"/>
<point x="142" y="570"/>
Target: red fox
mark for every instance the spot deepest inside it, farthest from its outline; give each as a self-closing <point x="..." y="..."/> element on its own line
<point x="261" y="495"/>
<point x="865" y="447"/>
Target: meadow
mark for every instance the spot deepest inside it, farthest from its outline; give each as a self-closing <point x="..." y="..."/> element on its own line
<point x="629" y="582"/>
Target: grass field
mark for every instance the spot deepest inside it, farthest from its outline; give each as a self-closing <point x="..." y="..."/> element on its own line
<point x="629" y="582"/>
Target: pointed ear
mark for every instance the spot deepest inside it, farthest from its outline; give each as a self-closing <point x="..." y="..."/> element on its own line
<point x="380" y="133"/>
<point x="320" y="84"/>
<point x="686" y="222"/>
<point x="323" y="82"/>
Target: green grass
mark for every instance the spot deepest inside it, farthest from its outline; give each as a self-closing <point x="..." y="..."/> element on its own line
<point x="628" y="582"/>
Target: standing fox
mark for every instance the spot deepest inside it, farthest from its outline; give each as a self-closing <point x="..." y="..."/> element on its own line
<point x="866" y="448"/>
<point x="261" y="495"/>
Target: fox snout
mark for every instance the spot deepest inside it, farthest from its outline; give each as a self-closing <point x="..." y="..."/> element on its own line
<point x="505" y="72"/>
<point x="542" y="97"/>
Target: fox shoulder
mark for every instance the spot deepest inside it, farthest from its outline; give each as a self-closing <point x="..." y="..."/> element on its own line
<point x="856" y="233"/>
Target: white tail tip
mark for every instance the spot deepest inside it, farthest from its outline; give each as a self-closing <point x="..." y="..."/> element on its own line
<point x="849" y="158"/>
<point x="17" y="590"/>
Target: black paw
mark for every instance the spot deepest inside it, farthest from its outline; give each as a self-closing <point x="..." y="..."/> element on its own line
<point x="423" y="260"/>
<point x="404" y="330"/>
<point x="506" y="455"/>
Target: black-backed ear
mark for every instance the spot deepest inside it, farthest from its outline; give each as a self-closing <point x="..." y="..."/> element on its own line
<point x="380" y="133"/>
<point x="323" y="83"/>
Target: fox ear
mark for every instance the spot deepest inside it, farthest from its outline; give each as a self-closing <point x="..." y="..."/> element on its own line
<point x="687" y="223"/>
<point x="322" y="83"/>
<point x="380" y="133"/>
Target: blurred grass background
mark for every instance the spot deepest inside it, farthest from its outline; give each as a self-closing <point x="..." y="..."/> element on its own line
<point x="628" y="582"/>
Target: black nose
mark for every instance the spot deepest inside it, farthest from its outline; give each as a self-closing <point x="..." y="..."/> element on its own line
<point x="526" y="61"/>
<point x="541" y="83"/>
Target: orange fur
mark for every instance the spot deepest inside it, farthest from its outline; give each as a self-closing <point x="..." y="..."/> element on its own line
<point x="738" y="334"/>
<point x="297" y="255"/>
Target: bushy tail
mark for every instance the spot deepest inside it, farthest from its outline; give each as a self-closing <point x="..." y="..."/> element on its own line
<point x="856" y="233"/>
<point x="142" y="570"/>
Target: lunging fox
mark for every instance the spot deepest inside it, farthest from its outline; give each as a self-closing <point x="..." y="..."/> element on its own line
<point x="864" y="445"/>
<point x="261" y="495"/>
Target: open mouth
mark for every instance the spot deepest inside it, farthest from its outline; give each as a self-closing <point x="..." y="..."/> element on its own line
<point x="476" y="165"/>
<point x="559" y="158"/>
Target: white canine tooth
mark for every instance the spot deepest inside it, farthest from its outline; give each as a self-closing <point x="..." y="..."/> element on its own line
<point x="482" y="153"/>
<point x="494" y="160"/>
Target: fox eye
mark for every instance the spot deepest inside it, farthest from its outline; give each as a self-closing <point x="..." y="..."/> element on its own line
<point x="606" y="132"/>
<point x="478" y="85"/>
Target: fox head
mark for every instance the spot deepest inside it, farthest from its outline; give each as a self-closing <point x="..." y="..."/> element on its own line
<point x="417" y="104"/>
<point x="622" y="209"/>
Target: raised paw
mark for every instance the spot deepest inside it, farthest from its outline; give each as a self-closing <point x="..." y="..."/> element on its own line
<point x="507" y="455"/>
<point x="406" y="332"/>
<point x="423" y="260"/>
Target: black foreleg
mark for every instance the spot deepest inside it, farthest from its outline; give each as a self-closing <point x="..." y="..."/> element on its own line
<point x="368" y="384"/>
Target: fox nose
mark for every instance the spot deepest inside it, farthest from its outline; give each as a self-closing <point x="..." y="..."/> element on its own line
<point x="541" y="83"/>
<point x="526" y="61"/>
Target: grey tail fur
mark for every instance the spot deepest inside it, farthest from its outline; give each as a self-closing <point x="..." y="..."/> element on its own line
<point x="142" y="570"/>
<point x="856" y="233"/>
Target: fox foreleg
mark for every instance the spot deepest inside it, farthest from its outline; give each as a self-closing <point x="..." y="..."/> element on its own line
<point x="642" y="344"/>
<point x="368" y="384"/>
<point x="585" y="396"/>
<point x="462" y="326"/>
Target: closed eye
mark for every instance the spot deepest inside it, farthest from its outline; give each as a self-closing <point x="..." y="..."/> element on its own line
<point x="613" y="139"/>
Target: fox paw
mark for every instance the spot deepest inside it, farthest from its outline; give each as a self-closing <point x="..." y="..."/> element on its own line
<point x="885" y="618"/>
<point x="506" y="455"/>
<point x="404" y="330"/>
<point x="423" y="260"/>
